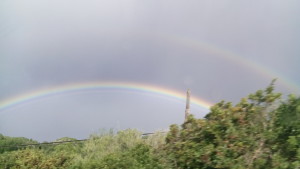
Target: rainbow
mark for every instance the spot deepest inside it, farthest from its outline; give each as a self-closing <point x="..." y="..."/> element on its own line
<point x="69" y="88"/>
<point x="202" y="46"/>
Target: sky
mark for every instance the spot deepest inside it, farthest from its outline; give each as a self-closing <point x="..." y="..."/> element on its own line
<point x="220" y="50"/>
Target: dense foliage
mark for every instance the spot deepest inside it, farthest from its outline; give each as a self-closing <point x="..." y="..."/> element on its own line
<point x="8" y="143"/>
<point x="107" y="150"/>
<point x="259" y="132"/>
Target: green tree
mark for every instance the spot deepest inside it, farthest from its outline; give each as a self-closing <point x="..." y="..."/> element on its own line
<point x="239" y="136"/>
<point x="10" y="143"/>
<point x="286" y="147"/>
<point x="125" y="149"/>
<point x="32" y="158"/>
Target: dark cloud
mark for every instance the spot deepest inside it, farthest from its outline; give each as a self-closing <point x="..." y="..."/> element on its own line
<point x="163" y="43"/>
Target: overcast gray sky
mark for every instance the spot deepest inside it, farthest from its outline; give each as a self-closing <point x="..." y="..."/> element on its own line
<point x="219" y="49"/>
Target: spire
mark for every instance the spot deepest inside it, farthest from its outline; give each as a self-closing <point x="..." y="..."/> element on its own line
<point x="187" y="108"/>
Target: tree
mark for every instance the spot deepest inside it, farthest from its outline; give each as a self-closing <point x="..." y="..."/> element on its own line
<point x="239" y="136"/>
<point x="286" y="147"/>
<point x="9" y="143"/>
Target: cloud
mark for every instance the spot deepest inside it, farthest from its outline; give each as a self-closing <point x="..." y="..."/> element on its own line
<point x="59" y="42"/>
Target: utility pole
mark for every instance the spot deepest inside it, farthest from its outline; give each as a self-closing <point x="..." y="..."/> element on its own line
<point x="187" y="108"/>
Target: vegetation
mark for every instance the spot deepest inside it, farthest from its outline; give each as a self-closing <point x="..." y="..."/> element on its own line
<point x="9" y="143"/>
<point x="259" y="132"/>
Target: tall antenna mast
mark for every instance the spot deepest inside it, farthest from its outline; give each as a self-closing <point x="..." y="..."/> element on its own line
<point x="187" y="108"/>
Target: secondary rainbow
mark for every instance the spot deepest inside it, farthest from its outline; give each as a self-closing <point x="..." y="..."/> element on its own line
<point x="69" y="88"/>
<point x="217" y="51"/>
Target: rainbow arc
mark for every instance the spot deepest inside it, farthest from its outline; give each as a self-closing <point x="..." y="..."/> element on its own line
<point x="69" y="88"/>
